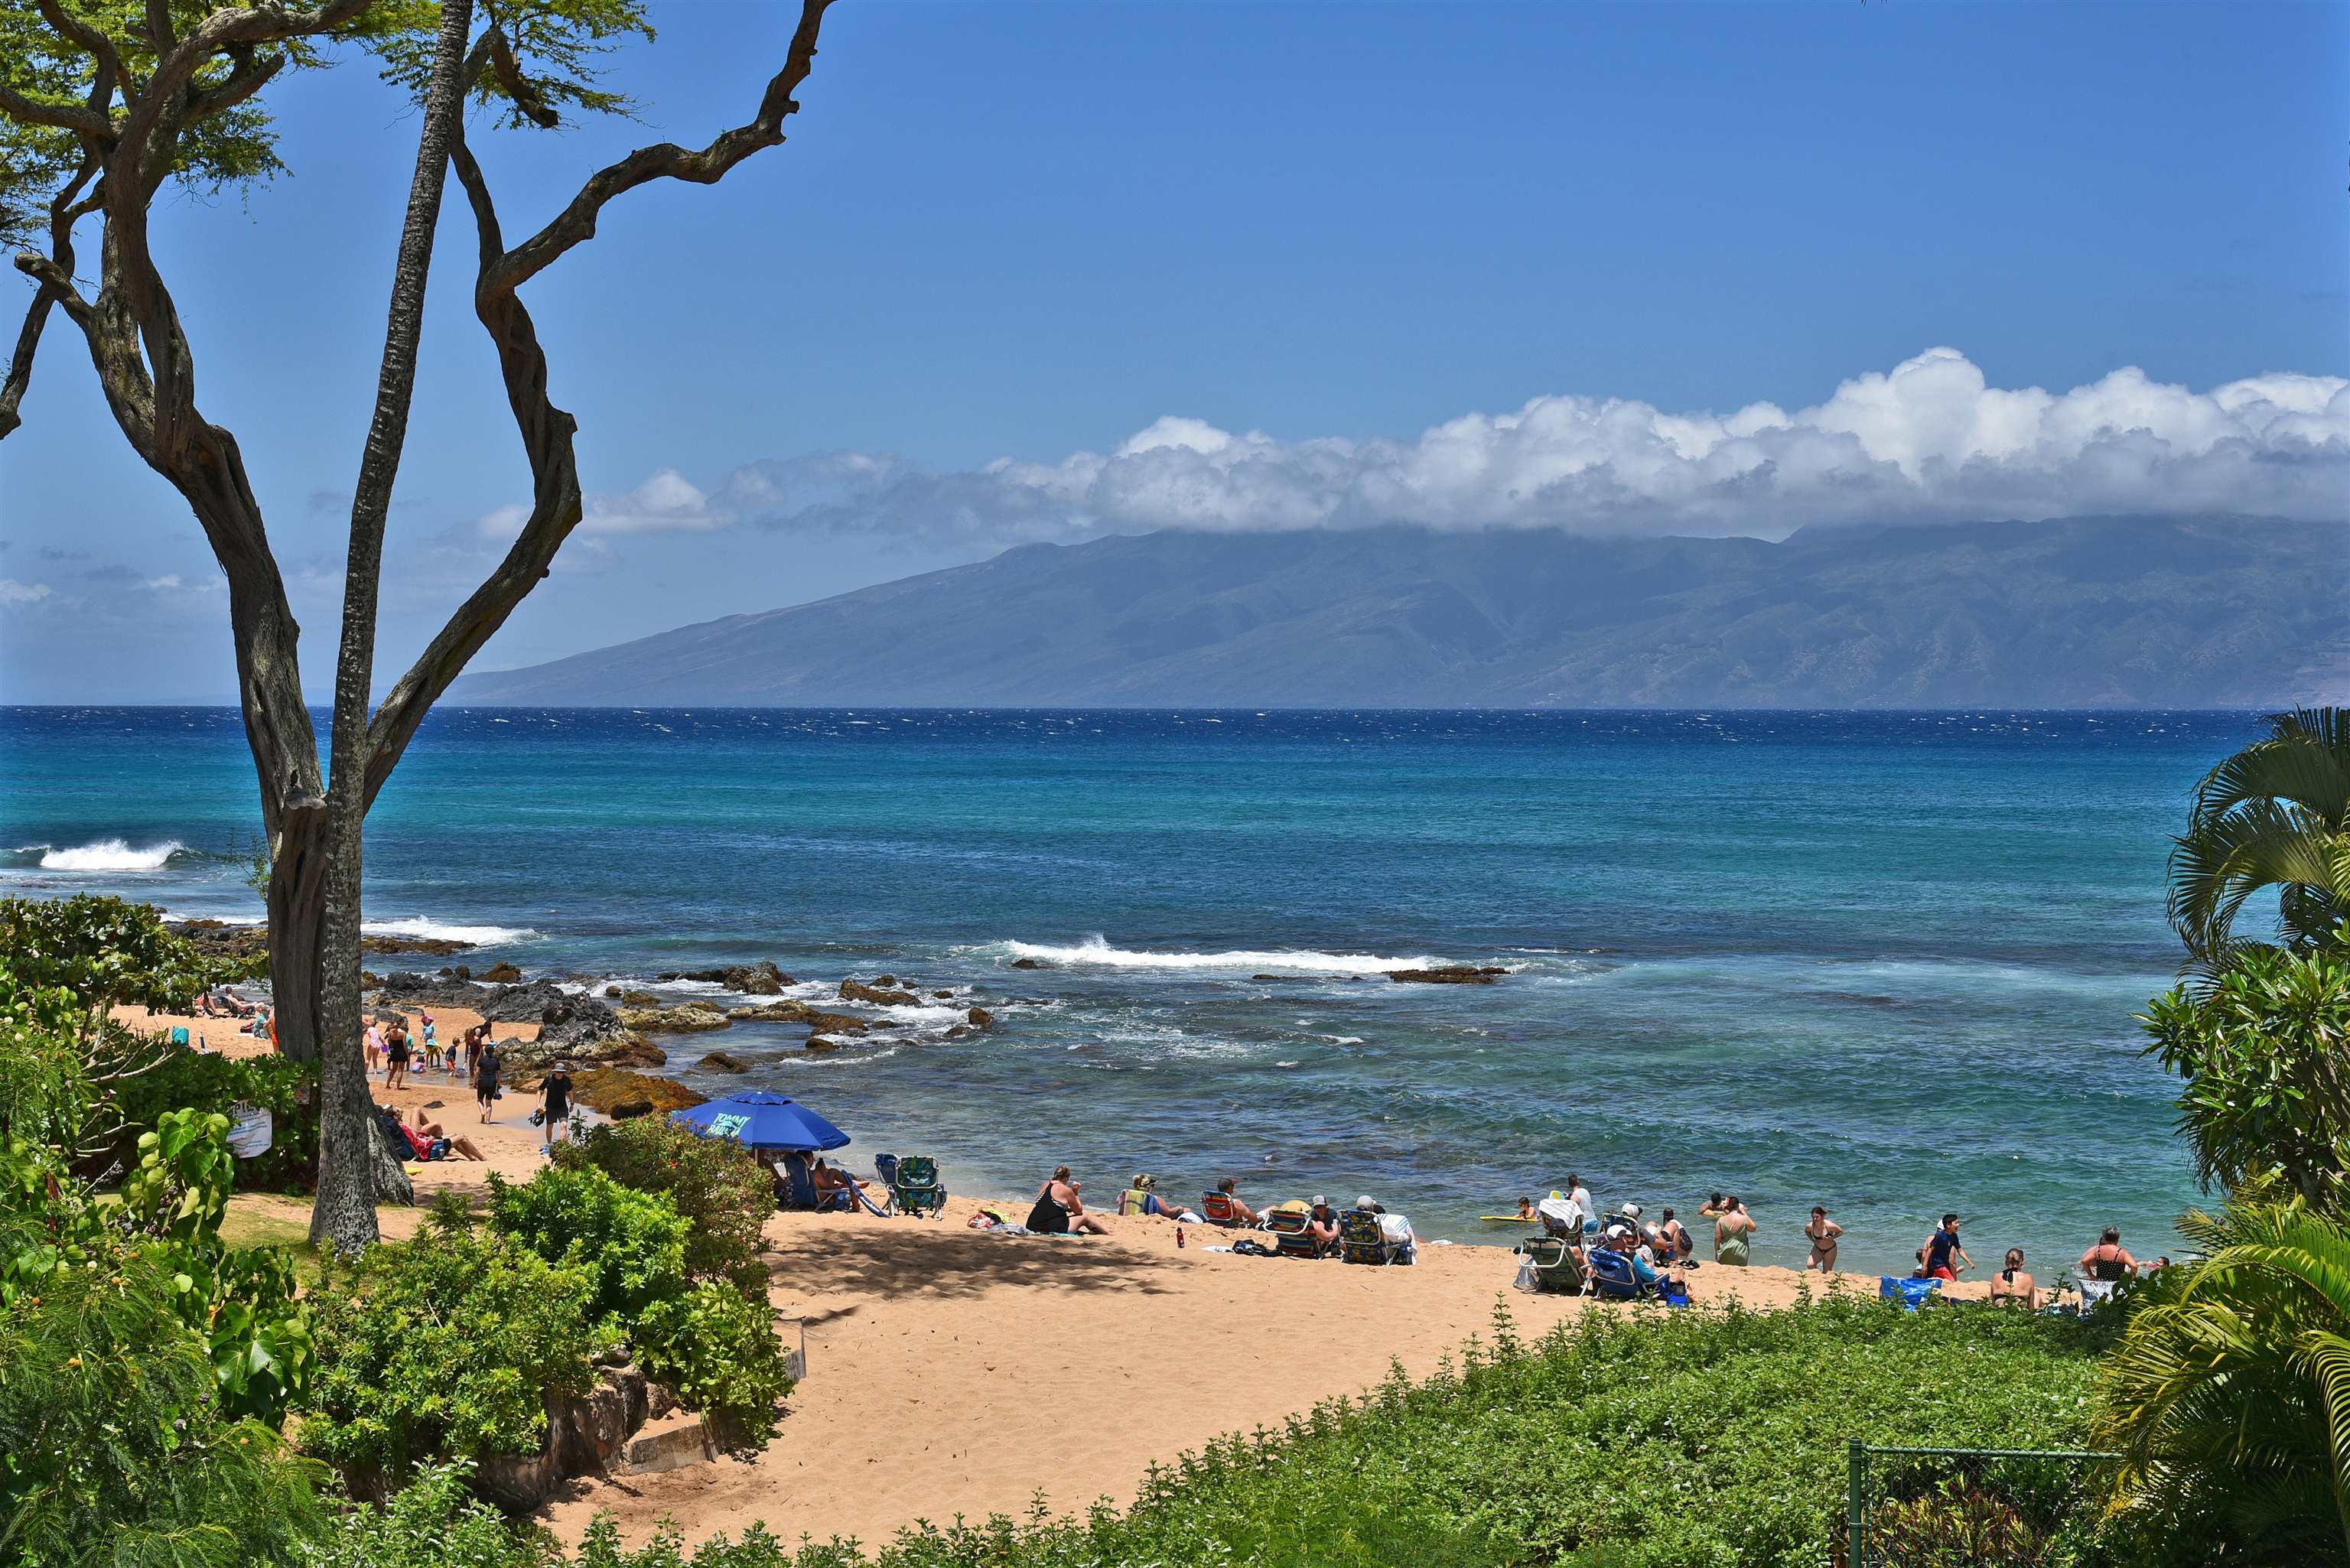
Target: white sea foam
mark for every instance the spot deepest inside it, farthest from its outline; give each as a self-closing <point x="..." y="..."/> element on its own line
<point x="424" y="926"/>
<point x="111" y="855"/>
<point x="1097" y="952"/>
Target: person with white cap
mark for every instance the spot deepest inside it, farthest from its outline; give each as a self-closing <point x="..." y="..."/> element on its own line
<point x="1395" y="1228"/>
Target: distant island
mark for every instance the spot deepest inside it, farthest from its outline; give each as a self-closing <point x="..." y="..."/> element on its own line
<point x="2103" y="612"/>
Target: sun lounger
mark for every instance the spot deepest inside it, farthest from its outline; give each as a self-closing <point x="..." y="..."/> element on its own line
<point x="1361" y="1238"/>
<point x="914" y="1185"/>
<point x="795" y="1189"/>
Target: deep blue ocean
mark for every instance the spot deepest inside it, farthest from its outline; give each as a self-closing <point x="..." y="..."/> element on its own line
<point x="1883" y="961"/>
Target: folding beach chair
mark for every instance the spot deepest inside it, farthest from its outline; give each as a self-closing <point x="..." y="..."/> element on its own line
<point x="1362" y="1240"/>
<point x="2095" y="1293"/>
<point x="1221" y="1210"/>
<point x="1549" y="1267"/>
<point x="795" y="1189"/>
<point x="1613" y="1278"/>
<point x="1290" y="1226"/>
<point x="915" y="1187"/>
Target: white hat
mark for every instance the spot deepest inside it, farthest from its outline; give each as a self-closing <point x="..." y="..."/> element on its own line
<point x="1630" y="1211"/>
<point x="1320" y="1201"/>
<point x="1365" y="1202"/>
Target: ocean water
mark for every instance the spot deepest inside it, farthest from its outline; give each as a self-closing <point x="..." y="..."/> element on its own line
<point x="1883" y="961"/>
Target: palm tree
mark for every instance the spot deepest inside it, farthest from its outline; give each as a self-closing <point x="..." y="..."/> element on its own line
<point x="2229" y="1391"/>
<point x="2275" y="814"/>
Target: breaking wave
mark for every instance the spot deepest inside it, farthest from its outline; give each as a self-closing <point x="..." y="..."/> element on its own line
<point x="109" y="854"/>
<point x="422" y="925"/>
<point x="1097" y="952"/>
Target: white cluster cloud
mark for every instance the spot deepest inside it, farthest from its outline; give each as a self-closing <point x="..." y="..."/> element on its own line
<point x="1928" y="440"/>
<point x="13" y="592"/>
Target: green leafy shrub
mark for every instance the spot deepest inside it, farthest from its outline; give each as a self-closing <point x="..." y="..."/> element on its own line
<point x="433" y="1522"/>
<point x="720" y="1353"/>
<point x="447" y="1347"/>
<point x="716" y="1183"/>
<point x="207" y="1081"/>
<point x="113" y="1444"/>
<point x="630" y="1244"/>
<point x="107" y="951"/>
<point x="240" y="1305"/>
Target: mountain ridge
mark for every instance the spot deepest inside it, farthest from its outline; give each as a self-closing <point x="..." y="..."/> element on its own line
<point x="2074" y="612"/>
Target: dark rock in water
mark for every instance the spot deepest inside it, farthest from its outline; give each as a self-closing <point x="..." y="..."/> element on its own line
<point x="850" y="991"/>
<point x="720" y="1062"/>
<point x="370" y="980"/>
<point x="960" y="1031"/>
<point x="218" y="939"/>
<point x="669" y="975"/>
<point x="1026" y="963"/>
<point x="819" y="1044"/>
<point x="885" y="979"/>
<point x="611" y="992"/>
<point x="1271" y="976"/>
<point x="438" y="946"/>
<point x="944" y="995"/>
<point x="605" y="1087"/>
<point x="503" y="974"/>
<point x="465" y="971"/>
<point x="635" y="998"/>
<point x="980" y="1018"/>
<point x="823" y="1023"/>
<point x="1447" y="974"/>
<point x="761" y="979"/>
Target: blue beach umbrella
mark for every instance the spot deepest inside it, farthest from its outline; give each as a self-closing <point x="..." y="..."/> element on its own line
<point x="757" y="1119"/>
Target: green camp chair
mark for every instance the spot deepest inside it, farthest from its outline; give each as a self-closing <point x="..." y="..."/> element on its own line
<point x="1550" y="1266"/>
<point x="914" y="1185"/>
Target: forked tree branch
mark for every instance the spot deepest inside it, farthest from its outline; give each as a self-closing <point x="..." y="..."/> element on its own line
<point x="547" y="431"/>
<point x="667" y="160"/>
<point x="99" y="46"/>
<point x="67" y="208"/>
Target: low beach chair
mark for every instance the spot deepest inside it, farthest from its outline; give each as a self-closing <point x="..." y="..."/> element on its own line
<point x="1221" y="1210"/>
<point x="1613" y="1278"/>
<point x="1290" y="1225"/>
<point x="1362" y="1240"/>
<point x="2095" y="1293"/>
<point x="795" y="1190"/>
<point x="914" y="1185"/>
<point x="1549" y="1267"/>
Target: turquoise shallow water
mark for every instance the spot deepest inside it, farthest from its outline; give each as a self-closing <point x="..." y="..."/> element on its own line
<point x="1885" y="961"/>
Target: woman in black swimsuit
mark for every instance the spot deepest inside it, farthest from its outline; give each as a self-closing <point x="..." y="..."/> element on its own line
<point x="2106" y="1262"/>
<point x="1060" y="1211"/>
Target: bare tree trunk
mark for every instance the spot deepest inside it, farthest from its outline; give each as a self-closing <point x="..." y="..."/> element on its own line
<point x="297" y="912"/>
<point x="344" y="1214"/>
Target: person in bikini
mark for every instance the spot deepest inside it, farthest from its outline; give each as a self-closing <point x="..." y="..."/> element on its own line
<point x="2011" y="1286"/>
<point x="1732" y="1233"/>
<point x="429" y="1141"/>
<point x="1060" y="1211"/>
<point x="2106" y="1261"/>
<point x="1822" y="1233"/>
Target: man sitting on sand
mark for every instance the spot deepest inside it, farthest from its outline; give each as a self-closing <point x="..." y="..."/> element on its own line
<point x="1322" y="1226"/>
<point x="1241" y="1212"/>
<point x="1059" y="1211"/>
<point x="1142" y="1197"/>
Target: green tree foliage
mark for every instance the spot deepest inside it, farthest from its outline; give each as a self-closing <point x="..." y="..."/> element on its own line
<point x="115" y="1445"/>
<point x="2276" y="816"/>
<point x="447" y="1347"/>
<point x="106" y="951"/>
<point x="434" y="1522"/>
<point x="716" y="1183"/>
<point x="2230" y="1391"/>
<point x="2265" y="1059"/>
<point x="719" y="1352"/>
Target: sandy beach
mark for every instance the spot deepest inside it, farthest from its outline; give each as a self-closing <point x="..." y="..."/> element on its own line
<point x="953" y="1373"/>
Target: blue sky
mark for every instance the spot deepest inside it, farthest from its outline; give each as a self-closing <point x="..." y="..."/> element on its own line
<point x="1237" y="265"/>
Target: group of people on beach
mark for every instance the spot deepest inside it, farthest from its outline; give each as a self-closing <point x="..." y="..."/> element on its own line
<point x="2106" y="1263"/>
<point x="392" y="1051"/>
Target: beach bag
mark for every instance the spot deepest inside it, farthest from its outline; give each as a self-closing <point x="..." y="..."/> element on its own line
<point x="1910" y="1294"/>
<point x="1527" y="1281"/>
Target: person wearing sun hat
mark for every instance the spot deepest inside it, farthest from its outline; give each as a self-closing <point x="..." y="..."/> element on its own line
<point x="1141" y="1196"/>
